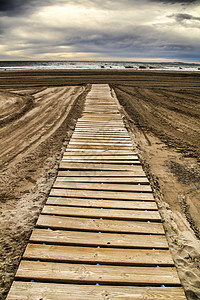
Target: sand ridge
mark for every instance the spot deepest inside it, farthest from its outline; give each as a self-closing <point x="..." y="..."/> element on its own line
<point x="32" y="144"/>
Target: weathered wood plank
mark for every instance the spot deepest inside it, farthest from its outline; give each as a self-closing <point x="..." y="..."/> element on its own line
<point x="103" y="187"/>
<point x="102" y="194"/>
<point x="101" y="157"/>
<point x="121" y="214"/>
<point x="100" y="111"/>
<point x="97" y="142"/>
<point x="101" y="135"/>
<point x="101" y="130"/>
<point x="109" y="147"/>
<point x="88" y="224"/>
<point x="98" y="255"/>
<point x="113" y="123"/>
<point x="98" y="152"/>
<point x="63" y="272"/>
<point x="141" y="180"/>
<point x="100" y="166"/>
<point x="102" y="203"/>
<point x="108" y="117"/>
<point x="99" y="239"/>
<point x="100" y="140"/>
<point x="103" y="161"/>
<point x="101" y="173"/>
<point x="103" y="126"/>
<point x="103" y="143"/>
<point x="53" y="291"/>
<point x="97" y="136"/>
<point x="107" y="125"/>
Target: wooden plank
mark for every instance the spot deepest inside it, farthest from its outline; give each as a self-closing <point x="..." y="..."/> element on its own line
<point x="101" y="130"/>
<point x="100" y="122"/>
<point x="103" y="127"/>
<point x="103" y="161"/>
<point x="99" y="156"/>
<point x="97" y="138"/>
<point x="98" y="255"/>
<point x="121" y="214"/>
<point x="101" y="173"/>
<point x="118" y="129"/>
<point x="100" y="111"/>
<point x="102" y="194"/>
<point x="100" y="105"/>
<point x="103" y="186"/>
<point x="110" y="116"/>
<point x="53" y="291"/>
<point x="63" y="272"/>
<point x="74" y="141"/>
<point x="107" y="125"/>
<point x="103" y="143"/>
<point x="100" y="140"/>
<point x="141" y="180"/>
<point x="101" y="135"/>
<point x="102" y="151"/>
<point x="88" y="224"/>
<point x="104" y="117"/>
<point x="98" y="239"/>
<point x="97" y="152"/>
<point x="85" y="119"/>
<point x="102" y="203"/>
<point x="105" y="147"/>
<point x="99" y="166"/>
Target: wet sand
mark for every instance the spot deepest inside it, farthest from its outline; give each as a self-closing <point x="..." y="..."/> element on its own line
<point x="38" y="114"/>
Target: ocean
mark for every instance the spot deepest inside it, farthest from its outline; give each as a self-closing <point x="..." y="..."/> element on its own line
<point x="81" y="65"/>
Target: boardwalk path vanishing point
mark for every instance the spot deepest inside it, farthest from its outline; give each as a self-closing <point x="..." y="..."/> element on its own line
<point x="100" y="235"/>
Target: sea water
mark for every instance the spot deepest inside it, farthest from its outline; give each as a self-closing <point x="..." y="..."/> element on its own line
<point x="96" y="65"/>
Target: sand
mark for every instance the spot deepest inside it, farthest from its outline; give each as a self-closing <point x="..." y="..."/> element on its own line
<point x="37" y="117"/>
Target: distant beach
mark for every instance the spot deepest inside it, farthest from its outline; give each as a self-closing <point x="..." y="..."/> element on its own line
<point x="96" y="65"/>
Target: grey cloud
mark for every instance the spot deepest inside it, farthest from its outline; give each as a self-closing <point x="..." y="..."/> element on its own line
<point x="182" y="17"/>
<point x="9" y="7"/>
<point x="20" y="7"/>
<point x="127" y="41"/>
<point x="176" y="1"/>
<point x="17" y="7"/>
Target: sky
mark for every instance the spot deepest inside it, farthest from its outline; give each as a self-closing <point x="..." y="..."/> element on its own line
<point x="127" y="30"/>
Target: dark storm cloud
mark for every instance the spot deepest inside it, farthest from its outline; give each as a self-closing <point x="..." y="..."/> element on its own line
<point x="8" y="7"/>
<point x="187" y="20"/>
<point x="176" y="1"/>
<point x="17" y="7"/>
<point x="182" y="17"/>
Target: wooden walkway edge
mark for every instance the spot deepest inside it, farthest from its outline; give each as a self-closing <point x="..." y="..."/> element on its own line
<point x="100" y="234"/>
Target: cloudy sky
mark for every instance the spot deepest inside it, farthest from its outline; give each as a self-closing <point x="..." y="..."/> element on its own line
<point x="137" y="30"/>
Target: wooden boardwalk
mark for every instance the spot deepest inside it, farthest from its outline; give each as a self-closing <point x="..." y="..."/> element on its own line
<point x="100" y="235"/>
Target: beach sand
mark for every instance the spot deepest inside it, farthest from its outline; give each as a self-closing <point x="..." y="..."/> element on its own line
<point x="161" y="110"/>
